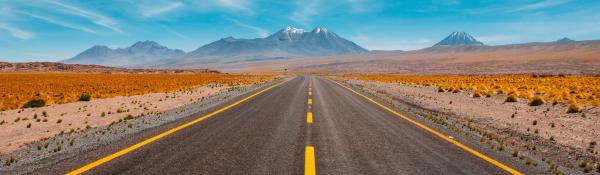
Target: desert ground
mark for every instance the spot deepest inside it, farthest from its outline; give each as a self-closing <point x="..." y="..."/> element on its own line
<point x="577" y="58"/>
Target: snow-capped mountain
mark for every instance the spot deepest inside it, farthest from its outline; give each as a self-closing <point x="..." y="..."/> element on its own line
<point x="458" y="39"/>
<point x="564" y="40"/>
<point x="140" y="53"/>
<point x="287" y="43"/>
<point x="287" y="34"/>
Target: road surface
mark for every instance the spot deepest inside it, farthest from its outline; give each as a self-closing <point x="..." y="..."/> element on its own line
<point x="305" y="125"/>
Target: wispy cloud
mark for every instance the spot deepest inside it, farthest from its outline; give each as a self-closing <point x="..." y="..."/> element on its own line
<point x="92" y="16"/>
<point x="150" y="12"/>
<point x="260" y="31"/>
<point x="237" y="5"/>
<point x="360" y="37"/>
<point x="539" y="5"/>
<point x="16" y="32"/>
<point x="58" y="22"/>
<point x="304" y="11"/>
<point x="363" y="6"/>
<point x="180" y="35"/>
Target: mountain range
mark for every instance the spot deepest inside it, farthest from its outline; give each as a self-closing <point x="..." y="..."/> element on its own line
<point x="287" y="43"/>
<point x="140" y="53"/>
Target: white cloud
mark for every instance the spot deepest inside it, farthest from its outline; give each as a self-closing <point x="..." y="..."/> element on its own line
<point x="237" y="5"/>
<point x="260" y="31"/>
<point x="363" y="6"/>
<point x="16" y="32"/>
<point x="304" y="11"/>
<point x="157" y="11"/>
<point x="540" y="5"/>
<point x="60" y="23"/>
<point x="424" y="41"/>
<point x="94" y="17"/>
<point x="180" y="35"/>
<point x="360" y="37"/>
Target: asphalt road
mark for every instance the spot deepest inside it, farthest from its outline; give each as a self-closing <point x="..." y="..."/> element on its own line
<point x="269" y="134"/>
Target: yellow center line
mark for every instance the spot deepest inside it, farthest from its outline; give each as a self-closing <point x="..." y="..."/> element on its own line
<point x="309" y="101"/>
<point x="166" y="133"/>
<point x="309" y="93"/>
<point x="309" y="161"/>
<point x="460" y="145"/>
<point x="309" y="117"/>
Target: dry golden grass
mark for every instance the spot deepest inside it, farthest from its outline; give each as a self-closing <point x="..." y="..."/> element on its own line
<point x="536" y="89"/>
<point x="16" y="89"/>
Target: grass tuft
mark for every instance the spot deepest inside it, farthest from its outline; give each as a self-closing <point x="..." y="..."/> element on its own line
<point x="35" y="103"/>
<point x="476" y="94"/>
<point x="574" y="108"/>
<point x="510" y="98"/>
<point x="85" y="97"/>
<point x="535" y="101"/>
<point x="9" y="161"/>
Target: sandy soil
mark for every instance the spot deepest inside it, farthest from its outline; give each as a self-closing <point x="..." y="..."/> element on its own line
<point x="546" y="130"/>
<point x="22" y="126"/>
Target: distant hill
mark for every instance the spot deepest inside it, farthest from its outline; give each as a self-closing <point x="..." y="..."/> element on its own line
<point x="287" y="43"/>
<point x="564" y="40"/>
<point x="80" y="68"/>
<point x="140" y="53"/>
<point x="571" y="58"/>
<point x="458" y="39"/>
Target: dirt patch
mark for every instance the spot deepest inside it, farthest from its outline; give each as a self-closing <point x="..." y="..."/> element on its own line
<point x="26" y="125"/>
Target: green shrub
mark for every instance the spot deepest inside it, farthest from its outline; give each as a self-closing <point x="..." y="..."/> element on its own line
<point x="85" y="97"/>
<point x="36" y="103"/>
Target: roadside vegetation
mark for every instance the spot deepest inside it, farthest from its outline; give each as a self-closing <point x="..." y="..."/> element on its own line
<point x="535" y="89"/>
<point x="32" y="90"/>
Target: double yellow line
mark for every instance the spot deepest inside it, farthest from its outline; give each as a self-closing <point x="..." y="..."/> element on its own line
<point x="309" y="157"/>
<point x="166" y="133"/>
<point x="434" y="132"/>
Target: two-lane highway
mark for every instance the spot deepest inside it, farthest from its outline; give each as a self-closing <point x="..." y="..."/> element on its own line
<point x="276" y="131"/>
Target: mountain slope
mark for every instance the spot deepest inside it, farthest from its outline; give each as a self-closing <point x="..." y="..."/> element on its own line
<point x="565" y="40"/>
<point x="285" y="44"/>
<point x="458" y="39"/>
<point x="140" y="53"/>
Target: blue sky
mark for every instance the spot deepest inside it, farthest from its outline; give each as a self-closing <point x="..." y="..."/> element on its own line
<point x="45" y="30"/>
